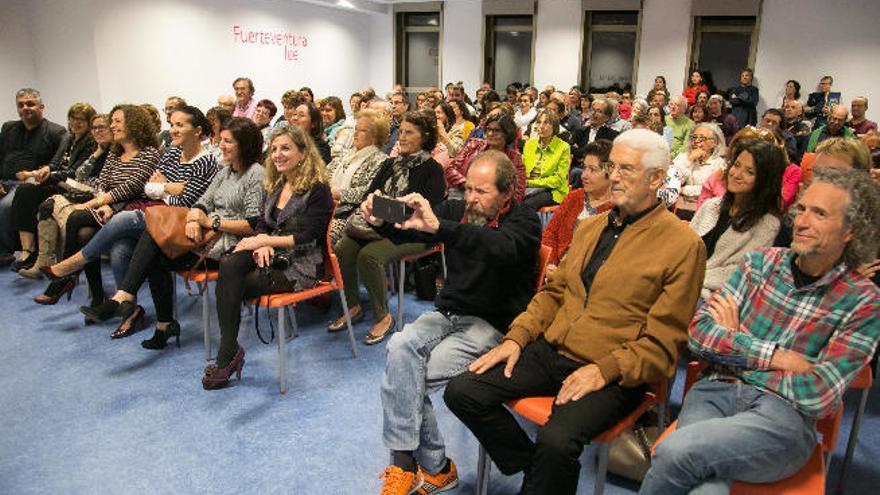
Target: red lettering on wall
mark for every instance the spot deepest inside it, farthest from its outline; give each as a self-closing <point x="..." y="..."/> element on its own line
<point x="287" y="41"/>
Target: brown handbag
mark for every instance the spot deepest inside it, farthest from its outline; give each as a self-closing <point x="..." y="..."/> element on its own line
<point x="167" y="226"/>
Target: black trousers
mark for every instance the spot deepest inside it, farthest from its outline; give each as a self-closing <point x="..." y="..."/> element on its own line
<point x="478" y="401"/>
<point x="539" y="200"/>
<point x="26" y="203"/>
<point x="148" y="262"/>
<point x="80" y="228"/>
<point x="241" y="279"/>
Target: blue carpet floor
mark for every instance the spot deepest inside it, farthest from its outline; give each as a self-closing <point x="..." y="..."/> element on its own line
<point x="83" y="414"/>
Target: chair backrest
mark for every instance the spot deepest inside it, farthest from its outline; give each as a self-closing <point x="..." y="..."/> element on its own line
<point x="331" y="264"/>
<point x="543" y="259"/>
<point x="807" y="167"/>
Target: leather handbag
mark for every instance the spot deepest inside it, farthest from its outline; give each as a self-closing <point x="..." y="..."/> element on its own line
<point x="629" y="455"/>
<point x="167" y="226"/>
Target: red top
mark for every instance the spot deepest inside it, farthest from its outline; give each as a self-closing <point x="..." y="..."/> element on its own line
<point x="690" y="92"/>
<point x="558" y="233"/>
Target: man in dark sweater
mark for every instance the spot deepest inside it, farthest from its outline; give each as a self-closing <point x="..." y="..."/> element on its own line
<point x="25" y="146"/>
<point x="491" y="245"/>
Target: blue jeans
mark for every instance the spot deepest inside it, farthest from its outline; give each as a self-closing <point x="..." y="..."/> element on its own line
<point x="420" y="360"/>
<point x="118" y="238"/>
<point x="7" y="236"/>
<point x="727" y="432"/>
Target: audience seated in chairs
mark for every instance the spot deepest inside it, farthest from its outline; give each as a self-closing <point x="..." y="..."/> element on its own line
<point x="132" y="160"/>
<point x="308" y="117"/>
<point x="546" y="159"/>
<point x="363" y="252"/>
<point x="704" y="155"/>
<point x="768" y="384"/>
<point x="230" y="206"/>
<point x="610" y="320"/>
<point x="486" y="288"/>
<point x="747" y="216"/>
<point x="184" y="174"/>
<point x="593" y="198"/>
<point x="76" y="147"/>
<point x="500" y="134"/>
<point x="287" y="252"/>
<point x="352" y="174"/>
<point x="440" y="154"/>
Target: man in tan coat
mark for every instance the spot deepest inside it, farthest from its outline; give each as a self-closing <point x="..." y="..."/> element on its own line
<point x="611" y="319"/>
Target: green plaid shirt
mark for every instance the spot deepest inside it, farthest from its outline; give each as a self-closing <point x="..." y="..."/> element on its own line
<point x="834" y="323"/>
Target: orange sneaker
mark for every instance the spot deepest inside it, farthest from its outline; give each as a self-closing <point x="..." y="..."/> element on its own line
<point x="400" y="482"/>
<point x="440" y="482"/>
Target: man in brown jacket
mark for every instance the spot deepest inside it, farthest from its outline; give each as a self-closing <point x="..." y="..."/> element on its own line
<point x="610" y="320"/>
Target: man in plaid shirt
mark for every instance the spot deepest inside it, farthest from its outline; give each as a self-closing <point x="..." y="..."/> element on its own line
<point x="784" y="338"/>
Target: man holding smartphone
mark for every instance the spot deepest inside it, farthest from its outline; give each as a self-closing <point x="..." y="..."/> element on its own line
<point x="491" y="244"/>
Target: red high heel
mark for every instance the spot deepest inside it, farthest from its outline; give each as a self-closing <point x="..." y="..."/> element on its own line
<point x="216" y="377"/>
<point x="51" y="299"/>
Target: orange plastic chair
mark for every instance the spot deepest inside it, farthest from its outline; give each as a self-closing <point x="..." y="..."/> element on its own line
<point x="332" y="282"/>
<point x="807" y="167"/>
<point x="863" y="381"/>
<point x="543" y="260"/>
<point x="810" y="480"/>
<point x="538" y="409"/>
<point x="401" y="271"/>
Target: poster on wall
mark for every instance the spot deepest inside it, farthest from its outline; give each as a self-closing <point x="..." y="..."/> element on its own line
<point x="288" y="44"/>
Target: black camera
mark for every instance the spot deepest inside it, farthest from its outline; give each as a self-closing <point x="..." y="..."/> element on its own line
<point x="280" y="262"/>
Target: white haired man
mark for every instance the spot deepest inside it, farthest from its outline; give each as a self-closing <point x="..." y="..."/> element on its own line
<point x="784" y="337"/>
<point x="611" y="319"/>
<point x="681" y="125"/>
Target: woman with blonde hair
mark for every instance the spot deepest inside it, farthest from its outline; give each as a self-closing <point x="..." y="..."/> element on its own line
<point x="287" y="252"/>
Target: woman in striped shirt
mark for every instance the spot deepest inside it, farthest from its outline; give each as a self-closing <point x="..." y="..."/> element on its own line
<point x="230" y="206"/>
<point x="129" y="165"/>
<point x="185" y="171"/>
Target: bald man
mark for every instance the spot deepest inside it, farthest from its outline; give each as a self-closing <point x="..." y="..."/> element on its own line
<point x="834" y="128"/>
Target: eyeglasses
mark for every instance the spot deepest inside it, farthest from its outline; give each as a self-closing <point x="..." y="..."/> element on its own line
<point x="100" y="127"/>
<point x="700" y="139"/>
<point x="624" y="170"/>
<point x="493" y="130"/>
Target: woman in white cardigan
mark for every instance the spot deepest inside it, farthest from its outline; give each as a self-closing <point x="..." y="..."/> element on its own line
<point x="746" y="217"/>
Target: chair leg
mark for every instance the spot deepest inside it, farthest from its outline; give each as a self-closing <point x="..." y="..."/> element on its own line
<point x="602" y="468"/>
<point x="174" y="295"/>
<point x="206" y="322"/>
<point x="400" y="280"/>
<point x="484" y="465"/>
<point x="851" y="443"/>
<point x="354" y="352"/>
<point x="290" y="312"/>
<point x="282" y="351"/>
<point x="443" y="261"/>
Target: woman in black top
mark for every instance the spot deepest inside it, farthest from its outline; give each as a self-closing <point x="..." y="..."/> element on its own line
<point x="308" y="117"/>
<point x="363" y="253"/>
<point x="74" y="150"/>
<point x="287" y="254"/>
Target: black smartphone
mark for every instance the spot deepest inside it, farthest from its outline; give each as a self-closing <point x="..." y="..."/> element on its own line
<point x="391" y="210"/>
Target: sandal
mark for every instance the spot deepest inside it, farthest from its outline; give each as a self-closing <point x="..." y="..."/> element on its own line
<point x="374" y="337"/>
<point x="340" y="324"/>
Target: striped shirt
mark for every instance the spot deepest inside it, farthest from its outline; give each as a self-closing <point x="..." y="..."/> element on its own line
<point x="197" y="174"/>
<point x="125" y="181"/>
<point x="834" y="323"/>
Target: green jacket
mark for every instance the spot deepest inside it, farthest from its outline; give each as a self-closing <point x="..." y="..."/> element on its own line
<point x="550" y="165"/>
<point x="814" y="137"/>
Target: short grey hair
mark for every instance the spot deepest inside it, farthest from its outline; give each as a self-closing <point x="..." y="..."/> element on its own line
<point x="28" y="93"/>
<point x="655" y="150"/>
<point x="680" y="100"/>
<point x="718" y="98"/>
<point x="386" y="105"/>
<point x="863" y="98"/>
<point x="720" y="148"/>
<point x="861" y="214"/>
<point x="608" y="106"/>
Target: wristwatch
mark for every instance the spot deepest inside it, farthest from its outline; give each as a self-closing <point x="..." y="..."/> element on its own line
<point x="215" y="223"/>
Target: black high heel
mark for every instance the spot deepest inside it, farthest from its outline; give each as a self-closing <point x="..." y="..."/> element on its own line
<point x="161" y="337"/>
<point x="133" y="315"/>
<point x="27" y="262"/>
<point x="55" y="290"/>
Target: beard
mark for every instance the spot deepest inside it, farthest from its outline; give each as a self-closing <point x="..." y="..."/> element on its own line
<point x="479" y="216"/>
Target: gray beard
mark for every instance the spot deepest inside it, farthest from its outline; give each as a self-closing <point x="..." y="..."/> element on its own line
<point x="477" y="220"/>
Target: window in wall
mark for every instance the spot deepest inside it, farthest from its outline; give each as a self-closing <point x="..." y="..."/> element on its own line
<point x="723" y="47"/>
<point x="611" y="41"/>
<point x="508" y="50"/>
<point x="418" y="50"/>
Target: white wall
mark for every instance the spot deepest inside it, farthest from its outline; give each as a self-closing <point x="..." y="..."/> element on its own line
<point x="462" y="43"/>
<point x="135" y="51"/>
<point x="17" y="68"/>
<point x="557" y="43"/>
<point x="664" y="44"/>
<point x="828" y="38"/>
<point x="381" y="52"/>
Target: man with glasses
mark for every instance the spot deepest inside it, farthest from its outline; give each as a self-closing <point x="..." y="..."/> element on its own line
<point x="611" y="319"/>
<point x="399" y="106"/>
<point x="834" y="128"/>
<point x="26" y="145"/>
<point x="171" y="105"/>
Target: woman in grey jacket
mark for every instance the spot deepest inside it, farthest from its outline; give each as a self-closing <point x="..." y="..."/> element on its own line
<point x="747" y="216"/>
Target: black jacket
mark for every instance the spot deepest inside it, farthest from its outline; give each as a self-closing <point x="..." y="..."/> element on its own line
<point x="581" y="138"/>
<point x="491" y="271"/>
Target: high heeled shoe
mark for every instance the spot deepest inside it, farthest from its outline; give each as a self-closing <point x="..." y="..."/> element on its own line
<point x="160" y="338"/>
<point x="52" y="276"/>
<point x="132" y="320"/>
<point x="216" y="377"/>
<point x="55" y="290"/>
<point x="25" y="263"/>
<point x="104" y="311"/>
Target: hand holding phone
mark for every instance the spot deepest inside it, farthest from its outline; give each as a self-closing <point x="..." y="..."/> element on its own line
<point x="390" y="210"/>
